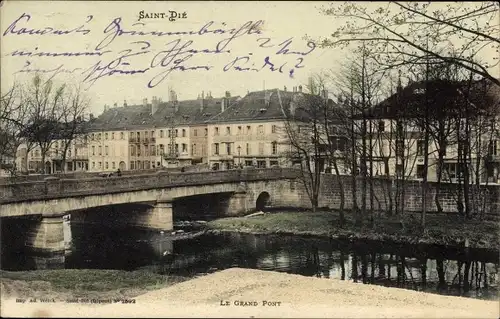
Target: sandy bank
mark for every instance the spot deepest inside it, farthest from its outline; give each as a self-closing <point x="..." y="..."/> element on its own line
<point x="286" y="296"/>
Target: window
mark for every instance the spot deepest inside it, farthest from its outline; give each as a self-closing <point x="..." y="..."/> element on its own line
<point x="176" y="148"/>
<point x="93" y="136"/>
<point x="132" y="150"/>
<point x="161" y="133"/>
<point x="152" y="150"/>
<point x="106" y="150"/>
<point x="113" y="165"/>
<point x="132" y="165"/>
<point x="273" y="129"/>
<point x="206" y="132"/>
<point x="113" y="135"/>
<point x="239" y="130"/>
<point x="100" y="150"/>
<point x="152" y="133"/>
<point x="105" y="136"/>
<point x="261" y="148"/>
<point x="248" y="149"/>
<point x="93" y="164"/>
<point x="381" y="126"/>
<point x="93" y="150"/>
<point x="184" y="148"/>
<point x="99" y="136"/>
<point x="420" y="148"/>
<point x="194" y="149"/>
<point x="100" y="165"/>
<point x="169" y="133"/>
<point x="228" y="148"/>
<point x="183" y="133"/>
<point x="162" y="149"/>
<point x="249" y="130"/>
<point x="216" y="132"/>
<point x="274" y="146"/>
<point x="195" y="132"/>
<point x="420" y="171"/>
<point x="228" y="130"/>
<point x="216" y="149"/>
<point x="176" y="132"/>
<point x="493" y="148"/>
<point x="261" y="130"/>
<point x="122" y="136"/>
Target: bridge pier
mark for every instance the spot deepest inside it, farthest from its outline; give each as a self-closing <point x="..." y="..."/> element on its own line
<point x="160" y="216"/>
<point x="47" y="236"/>
<point x="238" y="203"/>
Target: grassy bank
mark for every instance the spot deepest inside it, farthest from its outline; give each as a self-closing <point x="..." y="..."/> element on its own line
<point x="442" y="229"/>
<point x="63" y="284"/>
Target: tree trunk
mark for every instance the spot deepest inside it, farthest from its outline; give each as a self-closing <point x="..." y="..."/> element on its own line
<point x="342" y="193"/>
<point x="439" y="177"/>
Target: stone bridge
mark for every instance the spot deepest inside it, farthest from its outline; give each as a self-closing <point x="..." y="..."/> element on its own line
<point x="52" y="198"/>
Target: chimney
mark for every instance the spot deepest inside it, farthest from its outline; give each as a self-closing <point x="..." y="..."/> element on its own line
<point x="223" y="104"/>
<point x="145" y="102"/>
<point x="106" y="107"/>
<point x="300" y="88"/>
<point x="267" y="98"/>
<point x="154" y="105"/>
<point x="124" y="103"/>
<point x="176" y="106"/>
<point x="91" y="116"/>
<point x="284" y="89"/>
<point x="228" y="94"/>
<point x="202" y="101"/>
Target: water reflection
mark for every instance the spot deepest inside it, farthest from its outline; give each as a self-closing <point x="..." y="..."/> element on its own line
<point x="426" y="268"/>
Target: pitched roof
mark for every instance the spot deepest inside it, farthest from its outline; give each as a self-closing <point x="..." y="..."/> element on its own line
<point x="445" y="98"/>
<point x="139" y="116"/>
<point x="270" y="105"/>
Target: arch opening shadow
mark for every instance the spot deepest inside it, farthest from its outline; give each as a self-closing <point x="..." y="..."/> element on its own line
<point x="262" y="201"/>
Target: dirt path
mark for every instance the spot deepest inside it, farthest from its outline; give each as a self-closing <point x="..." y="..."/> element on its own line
<point x="271" y="294"/>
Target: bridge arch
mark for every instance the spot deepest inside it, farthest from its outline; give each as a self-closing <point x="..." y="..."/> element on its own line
<point x="262" y="201"/>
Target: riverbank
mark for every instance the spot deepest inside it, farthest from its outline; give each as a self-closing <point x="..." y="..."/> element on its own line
<point x="244" y="293"/>
<point x="63" y="284"/>
<point x="442" y="229"/>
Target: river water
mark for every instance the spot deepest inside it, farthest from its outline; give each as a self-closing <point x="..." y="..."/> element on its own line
<point x="429" y="268"/>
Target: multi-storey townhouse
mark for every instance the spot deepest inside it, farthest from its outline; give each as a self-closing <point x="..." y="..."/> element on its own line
<point x="152" y="135"/>
<point x="76" y="158"/>
<point x="254" y="131"/>
<point x="397" y="126"/>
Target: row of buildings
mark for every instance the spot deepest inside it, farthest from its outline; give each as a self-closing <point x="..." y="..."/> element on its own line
<point x="246" y="131"/>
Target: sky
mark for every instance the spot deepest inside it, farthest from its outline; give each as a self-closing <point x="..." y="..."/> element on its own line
<point x="281" y="21"/>
<point x="133" y="67"/>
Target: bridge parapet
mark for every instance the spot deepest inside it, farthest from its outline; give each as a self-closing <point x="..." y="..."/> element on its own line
<point x="61" y="188"/>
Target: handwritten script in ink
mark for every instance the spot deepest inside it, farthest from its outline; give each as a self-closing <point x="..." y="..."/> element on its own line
<point x="134" y="49"/>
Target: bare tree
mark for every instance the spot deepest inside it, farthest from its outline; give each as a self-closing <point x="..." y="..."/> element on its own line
<point x="74" y="106"/>
<point x="305" y="132"/>
<point x="408" y="33"/>
<point x="44" y="102"/>
<point x="12" y="121"/>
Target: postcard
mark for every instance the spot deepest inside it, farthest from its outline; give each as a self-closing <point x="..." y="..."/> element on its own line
<point x="248" y="159"/>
